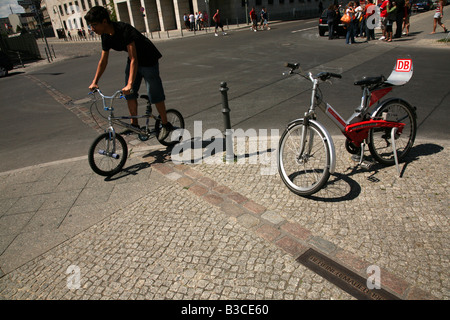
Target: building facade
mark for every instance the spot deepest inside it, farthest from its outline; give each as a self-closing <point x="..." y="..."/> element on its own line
<point x="162" y="15"/>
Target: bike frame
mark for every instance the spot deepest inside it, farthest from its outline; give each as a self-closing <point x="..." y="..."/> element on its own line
<point x="113" y="120"/>
<point x="356" y="128"/>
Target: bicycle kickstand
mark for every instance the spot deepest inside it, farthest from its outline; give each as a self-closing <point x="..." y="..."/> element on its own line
<point x="394" y="149"/>
<point x="364" y="164"/>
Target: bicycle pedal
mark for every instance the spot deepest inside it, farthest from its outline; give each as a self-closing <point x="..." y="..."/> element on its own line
<point x="366" y="164"/>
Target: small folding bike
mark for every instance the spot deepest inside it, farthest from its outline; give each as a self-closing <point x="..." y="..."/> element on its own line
<point x="306" y="153"/>
<point x="108" y="153"/>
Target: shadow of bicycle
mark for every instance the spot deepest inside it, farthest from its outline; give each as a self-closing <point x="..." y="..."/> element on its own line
<point x="341" y="187"/>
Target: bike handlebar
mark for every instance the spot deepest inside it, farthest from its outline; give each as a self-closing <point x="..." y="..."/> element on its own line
<point x="322" y="75"/>
<point x="327" y="75"/>
<point x="118" y="92"/>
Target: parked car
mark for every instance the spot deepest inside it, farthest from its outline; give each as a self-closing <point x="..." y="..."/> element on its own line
<point x="5" y="64"/>
<point x="323" y="24"/>
<point x="423" y="5"/>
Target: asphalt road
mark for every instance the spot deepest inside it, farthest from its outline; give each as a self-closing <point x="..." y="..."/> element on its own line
<point x="34" y="128"/>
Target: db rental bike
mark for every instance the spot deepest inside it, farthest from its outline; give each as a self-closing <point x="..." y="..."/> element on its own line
<point x="108" y="153"/>
<point x="306" y="153"/>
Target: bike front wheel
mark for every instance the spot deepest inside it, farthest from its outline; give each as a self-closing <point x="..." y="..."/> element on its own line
<point x="108" y="154"/>
<point x="177" y="121"/>
<point x="304" y="172"/>
<point x="380" y="140"/>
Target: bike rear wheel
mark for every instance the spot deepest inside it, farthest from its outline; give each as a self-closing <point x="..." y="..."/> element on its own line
<point x="380" y="140"/>
<point x="108" y="154"/>
<point x="177" y="121"/>
<point x="306" y="173"/>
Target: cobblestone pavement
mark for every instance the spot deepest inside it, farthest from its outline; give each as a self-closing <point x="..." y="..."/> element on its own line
<point x="170" y="245"/>
<point x="227" y="231"/>
<point x="214" y="230"/>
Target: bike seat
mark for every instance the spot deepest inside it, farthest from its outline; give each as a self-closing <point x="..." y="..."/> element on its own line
<point x="366" y="81"/>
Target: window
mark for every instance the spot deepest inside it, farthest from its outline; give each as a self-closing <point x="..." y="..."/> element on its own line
<point x="61" y="10"/>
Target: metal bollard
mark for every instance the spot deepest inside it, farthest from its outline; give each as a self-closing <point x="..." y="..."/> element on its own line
<point x="46" y="53"/>
<point x="229" y="158"/>
<point x="20" y="59"/>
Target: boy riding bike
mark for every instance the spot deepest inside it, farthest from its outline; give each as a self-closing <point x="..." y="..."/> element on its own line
<point x="142" y="62"/>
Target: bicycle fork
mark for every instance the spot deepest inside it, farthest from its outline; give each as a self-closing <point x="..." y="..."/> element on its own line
<point x="111" y="141"/>
<point x="302" y="155"/>
<point x="307" y="141"/>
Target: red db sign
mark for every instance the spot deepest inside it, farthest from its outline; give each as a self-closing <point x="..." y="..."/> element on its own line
<point x="403" y="65"/>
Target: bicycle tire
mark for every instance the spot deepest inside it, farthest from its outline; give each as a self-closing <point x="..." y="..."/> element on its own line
<point x="379" y="138"/>
<point x="304" y="176"/>
<point x="100" y="156"/>
<point x="177" y="121"/>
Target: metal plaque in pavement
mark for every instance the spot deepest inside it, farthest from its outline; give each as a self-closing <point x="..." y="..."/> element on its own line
<point x="342" y="277"/>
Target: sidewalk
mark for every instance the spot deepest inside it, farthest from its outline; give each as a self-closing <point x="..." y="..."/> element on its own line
<point x="160" y="230"/>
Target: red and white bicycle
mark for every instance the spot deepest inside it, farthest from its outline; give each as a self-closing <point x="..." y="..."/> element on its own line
<point x="306" y="153"/>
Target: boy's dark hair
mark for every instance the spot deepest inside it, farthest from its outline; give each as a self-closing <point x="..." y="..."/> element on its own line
<point x="97" y="14"/>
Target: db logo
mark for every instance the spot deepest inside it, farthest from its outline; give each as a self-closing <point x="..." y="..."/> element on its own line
<point x="403" y="65"/>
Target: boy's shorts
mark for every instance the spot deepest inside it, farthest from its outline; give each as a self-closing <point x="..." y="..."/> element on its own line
<point x="155" y="90"/>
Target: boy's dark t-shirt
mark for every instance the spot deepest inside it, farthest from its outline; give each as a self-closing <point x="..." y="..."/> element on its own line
<point x="124" y="34"/>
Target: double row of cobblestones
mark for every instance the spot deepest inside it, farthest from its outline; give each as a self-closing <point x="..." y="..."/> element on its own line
<point x="266" y="218"/>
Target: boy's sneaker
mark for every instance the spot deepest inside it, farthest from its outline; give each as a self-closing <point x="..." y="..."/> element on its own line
<point x="165" y="131"/>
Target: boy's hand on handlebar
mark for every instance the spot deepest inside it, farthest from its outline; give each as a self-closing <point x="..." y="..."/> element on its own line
<point x="128" y="89"/>
<point x="93" y="87"/>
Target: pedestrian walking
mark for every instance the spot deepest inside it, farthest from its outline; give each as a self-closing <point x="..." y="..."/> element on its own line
<point x="400" y="4"/>
<point x="264" y="19"/>
<point x="406" y="18"/>
<point x="383" y="18"/>
<point x="218" y="23"/>
<point x="197" y="21"/>
<point x="253" y="19"/>
<point x="350" y="37"/>
<point x="331" y="16"/>
<point x="369" y="10"/>
<point x="437" y="18"/>
<point x="359" y="13"/>
<point x="186" y="21"/>
<point x="391" y="18"/>
<point x="192" y="21"/>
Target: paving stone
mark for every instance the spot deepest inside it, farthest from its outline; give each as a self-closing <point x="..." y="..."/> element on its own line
<point x="272" y="217"/>
<point x="254" y="207"/>
<point x="268" y="232"/>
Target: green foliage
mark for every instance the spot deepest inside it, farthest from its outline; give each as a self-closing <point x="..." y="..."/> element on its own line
<point x="112" y="11"/>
